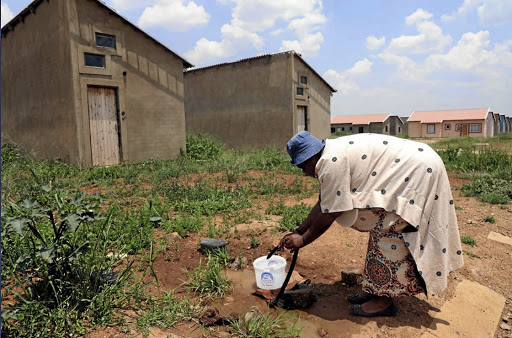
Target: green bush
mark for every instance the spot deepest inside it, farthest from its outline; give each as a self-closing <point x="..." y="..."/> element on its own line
<point x="489" y="189"/>
<point x="203" y="147"/>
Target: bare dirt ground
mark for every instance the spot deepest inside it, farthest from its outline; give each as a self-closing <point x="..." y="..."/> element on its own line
<point x="322" y="263"/>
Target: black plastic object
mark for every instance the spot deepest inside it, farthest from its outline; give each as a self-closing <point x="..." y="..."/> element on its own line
<point x="212" y="244"/>
<point x="274" y="302"/>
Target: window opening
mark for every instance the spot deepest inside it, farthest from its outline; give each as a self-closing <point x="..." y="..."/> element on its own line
<point x="105" y="40"/>
<point x="94" y="60"/>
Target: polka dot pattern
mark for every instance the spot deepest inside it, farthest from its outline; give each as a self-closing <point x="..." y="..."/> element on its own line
<point x="374" y="173"/>
<point x="429" y="170"/>
<point x="338" y="193"/>
<point x="383" y="191"/>
<point x="397" y="160"/>
<point x="351" y="142"/>
<point x="334" y="159"/>
<point x="364" y="157"/>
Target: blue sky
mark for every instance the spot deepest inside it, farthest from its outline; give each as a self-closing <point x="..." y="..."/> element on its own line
<point x="393" y="56"/>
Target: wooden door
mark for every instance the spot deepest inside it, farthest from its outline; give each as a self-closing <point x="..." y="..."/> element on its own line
<point x="104" y="125"/>
<point x="301" y="119"/>
<point x="464" y="131"/>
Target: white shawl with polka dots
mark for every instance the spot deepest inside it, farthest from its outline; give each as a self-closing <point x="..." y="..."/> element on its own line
<point x="402" y="176"/>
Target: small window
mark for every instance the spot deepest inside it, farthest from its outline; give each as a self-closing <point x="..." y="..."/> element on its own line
<point x="399" y="130"/>
<point x="300" y="91"/>
<point x="361" y="129"/>
<point x="447" y="126"/>
<point x="304" y="79"/>
<point x="94" y="60"/>
<point x="475" y="128"/>
<point x="431" y="128"/>
<point x="342" y="128"/>
<point x="105" y="40"/>
<point x="386" y="129"/>
<point x="333" y="130"/>
<point x="457" y="127"/>
<point x="350" y="128"/>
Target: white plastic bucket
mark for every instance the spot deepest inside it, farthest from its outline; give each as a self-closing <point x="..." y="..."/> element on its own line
<point x="269" y="272"/>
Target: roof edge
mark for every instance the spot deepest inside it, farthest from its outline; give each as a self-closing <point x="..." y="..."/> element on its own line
<point x="333" y="90"/>
<point x="34" y="4"/>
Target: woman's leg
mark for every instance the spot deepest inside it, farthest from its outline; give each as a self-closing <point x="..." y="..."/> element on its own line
<point x="389" y="268"/>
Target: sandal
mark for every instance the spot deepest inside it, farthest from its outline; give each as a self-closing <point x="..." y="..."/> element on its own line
<point x="359" y="297"/>
<point x="357" y="310"/>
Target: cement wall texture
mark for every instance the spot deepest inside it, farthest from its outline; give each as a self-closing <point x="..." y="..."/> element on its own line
<point x="146" y="76"/>
<point x="37" y="90"/>
<point x="253" y="103"/>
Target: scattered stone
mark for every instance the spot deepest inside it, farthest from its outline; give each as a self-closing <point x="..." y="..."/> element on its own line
<point x="322" y="332"/>
<point x="505" y="319"/>
<point x="210" y="316"/>
<point x="212" y="244"/>
<point x="351" y="276"/>
<point x="470" y="221"/>
<point x="239" y="263"/>
<point x="174" y="237"/>
<point x="505" y="327"/>
<point x="229" y="299"/>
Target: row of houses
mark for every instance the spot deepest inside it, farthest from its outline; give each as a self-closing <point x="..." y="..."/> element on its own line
<point x="82" y="83"/>
<point x="479" y="122"/>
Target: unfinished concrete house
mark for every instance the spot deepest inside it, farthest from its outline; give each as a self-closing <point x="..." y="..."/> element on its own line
<point x="376" y="123"/>
<point x="82" y="83"/>
<point x="258" y="102"/>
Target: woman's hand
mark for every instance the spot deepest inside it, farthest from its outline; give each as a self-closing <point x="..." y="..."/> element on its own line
<point x="292" y="241"/>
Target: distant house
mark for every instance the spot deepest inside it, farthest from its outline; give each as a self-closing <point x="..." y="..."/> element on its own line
<point x="496" y="120"/>
<point x="82" y="83"/>
<point x="377" y="123"/>
<point x="508" y="124"/>
<point x="451" y="123"/>
<point x="258" y="102"/>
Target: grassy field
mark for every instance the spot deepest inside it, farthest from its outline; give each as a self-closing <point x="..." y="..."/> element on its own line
<point x="64" y="230"/>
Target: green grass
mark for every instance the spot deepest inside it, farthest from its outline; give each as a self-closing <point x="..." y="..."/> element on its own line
<point x="468" y="240"/>
<point x="489" y="219"/>
<point x="490" y="171"/>
<point x="263" y="325"/>
<point x="209" y="280"/>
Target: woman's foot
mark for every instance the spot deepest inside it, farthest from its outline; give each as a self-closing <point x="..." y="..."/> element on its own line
<point x="360" y="297"/>
<point x="376" y="307"/>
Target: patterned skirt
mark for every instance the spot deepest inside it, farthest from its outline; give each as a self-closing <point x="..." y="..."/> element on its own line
<point x="389" y="269"/>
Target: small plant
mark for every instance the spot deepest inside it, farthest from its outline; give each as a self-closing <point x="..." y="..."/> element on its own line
<point x="209" y="280"/>
<point x="470" y="254"/>
<point x="489" y="219"/>
<point x="468" y="240"/>
<point x="258" y="325"/>
<point x="254" y="241"/>
<point x="165" y="312"/>
<point x="458" y="208"/>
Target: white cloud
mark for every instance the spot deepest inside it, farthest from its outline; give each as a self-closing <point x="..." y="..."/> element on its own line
<point x="309" y="44"/>
<point x="471" y="54"/>
<point x="345" y="81"/>
<point x="468" y="6"/>
<point x="419" y="15"/>
<point x="447" y="18"/>
<point x="122" y="5"/>
<point x="174" y="15"/>
<point x="206" y="51"/>
<point x="430" y="38"/>
<point x="254" y="20"/>
<point x="495" y="12"/>
<point x="236" y="33"/>
<point x="7" y="14"/>
<point x="373" y="42"/>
